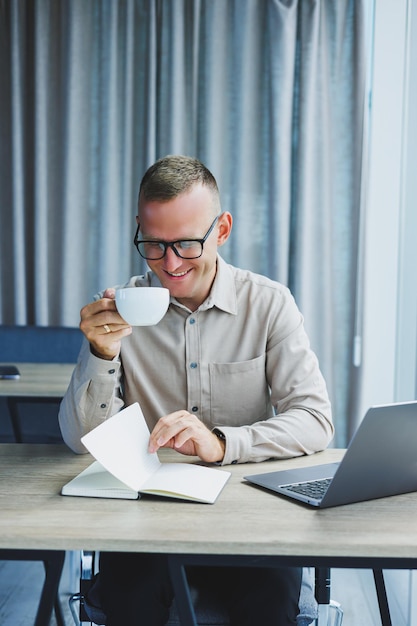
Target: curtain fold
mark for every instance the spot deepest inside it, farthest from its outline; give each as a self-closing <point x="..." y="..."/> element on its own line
<point x="268" y="94"/>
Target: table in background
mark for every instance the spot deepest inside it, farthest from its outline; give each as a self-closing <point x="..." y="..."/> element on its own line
<point x="38" y="382"/>
<point x="246" y="524"/>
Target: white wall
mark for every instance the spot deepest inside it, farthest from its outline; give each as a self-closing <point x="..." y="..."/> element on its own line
<point x="406" y="361"/>
<point x="389" y="306"/>
<point x="389" y="313"/>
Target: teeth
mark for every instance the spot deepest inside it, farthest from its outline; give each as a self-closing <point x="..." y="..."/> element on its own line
<point x="179" y="273"/>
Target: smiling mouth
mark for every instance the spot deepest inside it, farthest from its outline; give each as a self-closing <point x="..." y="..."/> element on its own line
<point x="177" y="274"/>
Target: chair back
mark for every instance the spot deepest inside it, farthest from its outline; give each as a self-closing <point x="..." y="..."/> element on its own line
<point x="39" y="344"/>
<point x="25" y="419"/>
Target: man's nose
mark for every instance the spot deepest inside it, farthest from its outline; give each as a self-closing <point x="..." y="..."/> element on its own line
<point x="171" y="260"/>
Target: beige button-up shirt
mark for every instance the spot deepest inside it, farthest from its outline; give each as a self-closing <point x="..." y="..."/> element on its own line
<point x="241" y="362"/>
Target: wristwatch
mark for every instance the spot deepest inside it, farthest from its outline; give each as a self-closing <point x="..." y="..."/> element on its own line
<point x="219" y="434"/>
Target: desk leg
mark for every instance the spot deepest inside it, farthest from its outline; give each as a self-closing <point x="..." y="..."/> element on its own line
<point x="54" y="563"/>
<point x="381" y="592"/>
<point x="59" y="616"/>
<point x="182" y="591"/>
<point x="14" y="418"/>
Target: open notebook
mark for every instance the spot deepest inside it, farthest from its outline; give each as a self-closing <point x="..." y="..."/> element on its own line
<point x="124" y="468"/>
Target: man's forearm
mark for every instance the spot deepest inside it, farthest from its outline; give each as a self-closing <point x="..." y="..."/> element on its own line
<point x="91" y="398"/>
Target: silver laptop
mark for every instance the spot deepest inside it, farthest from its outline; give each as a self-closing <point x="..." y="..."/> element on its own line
<point x="381" y="460"/>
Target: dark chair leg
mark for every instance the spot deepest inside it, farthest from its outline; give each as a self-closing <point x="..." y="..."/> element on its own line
<point x="322" y="589"/>
<point x="322" y="594"/>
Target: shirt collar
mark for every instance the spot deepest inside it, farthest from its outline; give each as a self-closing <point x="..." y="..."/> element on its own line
<point x="223" y="291"/>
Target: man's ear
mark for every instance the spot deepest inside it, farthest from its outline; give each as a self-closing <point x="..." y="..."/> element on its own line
<point x="225" y="227"/>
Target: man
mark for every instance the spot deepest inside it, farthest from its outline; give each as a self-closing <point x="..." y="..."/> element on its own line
<point x="227" y="375"/>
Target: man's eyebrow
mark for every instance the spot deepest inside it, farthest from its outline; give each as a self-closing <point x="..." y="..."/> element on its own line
<point x="151" y="238"/>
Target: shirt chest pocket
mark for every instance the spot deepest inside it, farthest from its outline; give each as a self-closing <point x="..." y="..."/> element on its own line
<point x="239" y="393"/>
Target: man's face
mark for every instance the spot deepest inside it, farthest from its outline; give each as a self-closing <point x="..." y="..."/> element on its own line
<point x="187" y="216"/>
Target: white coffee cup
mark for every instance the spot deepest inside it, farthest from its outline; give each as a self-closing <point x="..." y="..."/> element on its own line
<point x="142" y="306"/>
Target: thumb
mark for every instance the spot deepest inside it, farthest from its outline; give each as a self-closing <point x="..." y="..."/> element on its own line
<point x="109" y="293"/>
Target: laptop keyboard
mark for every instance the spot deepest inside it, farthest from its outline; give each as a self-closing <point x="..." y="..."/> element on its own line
<point x="314" y="488"/>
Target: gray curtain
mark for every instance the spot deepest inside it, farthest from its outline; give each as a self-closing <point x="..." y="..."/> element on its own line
<point x="268" y="93"/>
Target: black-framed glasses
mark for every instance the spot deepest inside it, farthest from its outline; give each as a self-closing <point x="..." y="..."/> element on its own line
<point x="155" y="249"/>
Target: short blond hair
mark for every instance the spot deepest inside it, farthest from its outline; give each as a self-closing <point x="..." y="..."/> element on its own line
<point x="173" y="175"/>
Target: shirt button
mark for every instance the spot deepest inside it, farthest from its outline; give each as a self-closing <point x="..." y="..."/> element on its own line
<point x="194" y="409"/>
<point x="192" y="321"/>
<point x="111" y="371"/>
<point x="193" y="365"/>
<point x="103" y="406"/>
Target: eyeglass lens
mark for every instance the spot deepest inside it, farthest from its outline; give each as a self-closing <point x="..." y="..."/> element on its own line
<point x="186" y="248"/>
<point x="155" y="250"/>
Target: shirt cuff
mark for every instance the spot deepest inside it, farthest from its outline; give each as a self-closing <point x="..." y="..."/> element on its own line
<point x="101" y="370"/>
<point x="237" y="444"/>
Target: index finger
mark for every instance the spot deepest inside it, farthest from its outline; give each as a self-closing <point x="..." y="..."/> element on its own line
<point x="96" y="307"/>
<point x="166" y="429"/>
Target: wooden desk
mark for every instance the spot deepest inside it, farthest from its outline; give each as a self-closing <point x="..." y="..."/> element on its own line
<point x="244" y="521"/>
<point x="38" y="382"/>
<point x="246" y="525"/>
